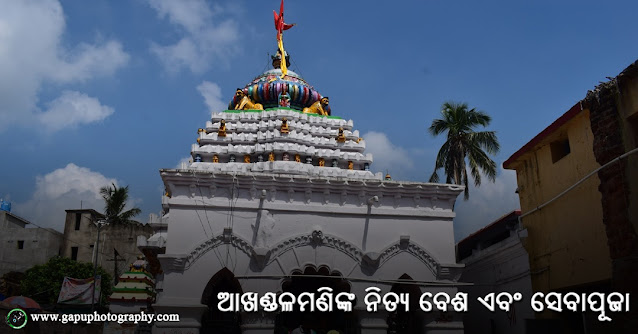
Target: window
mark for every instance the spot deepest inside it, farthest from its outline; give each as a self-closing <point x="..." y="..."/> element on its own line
<point x="20" y="244"/>
<point x="78" y="219"/>
<point x="74" y="253"/>
<point x="560" y="149"/>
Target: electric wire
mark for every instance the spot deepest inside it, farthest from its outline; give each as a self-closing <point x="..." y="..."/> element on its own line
<point x="626" y="154"/>
<point x="215" y="251"/>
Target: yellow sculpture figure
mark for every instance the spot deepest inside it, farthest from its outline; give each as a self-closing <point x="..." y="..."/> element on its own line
<point x="350" y="165"/>
<point x="322" y="162"/>
<point x="247" y="158"/>
<point x="297" y="158"/>
<point x="271" y="156"/>
<point x="215" y="158"/>
<point x="341" y="137"/>
<point x="320" y="107"/>
<point x="284" y="126"/>
<point x="246" y="103"/>
<point x="222" y="129"/>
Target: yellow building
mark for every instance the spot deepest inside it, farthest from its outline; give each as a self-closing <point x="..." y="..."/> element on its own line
<point x="578" y="190"/>
<point x="566" y="238"/>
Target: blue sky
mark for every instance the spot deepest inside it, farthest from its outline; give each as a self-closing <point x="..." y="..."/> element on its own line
<point x="93" y="92"/>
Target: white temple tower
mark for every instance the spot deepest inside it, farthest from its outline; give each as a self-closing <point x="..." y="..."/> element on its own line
<point x="282" y="200"/>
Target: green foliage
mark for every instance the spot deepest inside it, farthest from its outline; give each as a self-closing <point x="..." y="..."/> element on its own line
<point x="115" y="199"/>
<point x="42" y="283"/>
<point x="464" y="142"/>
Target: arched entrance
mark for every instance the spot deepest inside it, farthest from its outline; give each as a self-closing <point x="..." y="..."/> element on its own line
<point x="411" y="322"/>
<point x="310" y="280"/>
<point x="215" y="321"/>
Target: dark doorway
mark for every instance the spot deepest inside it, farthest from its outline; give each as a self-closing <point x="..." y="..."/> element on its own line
<point x="215" y="321"/>
<point x="310" y="280"/>
<point x="400" y="321"/>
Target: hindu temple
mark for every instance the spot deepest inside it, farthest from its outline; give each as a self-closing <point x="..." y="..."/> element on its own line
<point x="279" y="197"/>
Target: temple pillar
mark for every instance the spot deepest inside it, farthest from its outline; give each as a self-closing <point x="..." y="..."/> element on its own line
<point x="372" y="322"/>
<point x="190" y="317"/>
<point x="257" y="322"/>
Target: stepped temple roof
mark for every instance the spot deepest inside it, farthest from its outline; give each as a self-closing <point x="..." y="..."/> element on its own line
<point x="278" y="123"/>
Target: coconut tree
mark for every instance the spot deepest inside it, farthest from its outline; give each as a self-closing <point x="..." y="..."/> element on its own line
<point x="465" y="147"/>
<point x="115" y="199"/>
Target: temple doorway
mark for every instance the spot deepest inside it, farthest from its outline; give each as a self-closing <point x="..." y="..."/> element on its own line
<point x="411" y="322"/>
<point x="215" y="321"/>
<point x="310" y="280"/>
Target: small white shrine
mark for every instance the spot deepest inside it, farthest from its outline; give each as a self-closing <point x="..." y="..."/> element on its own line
<point x="279" y="198"/>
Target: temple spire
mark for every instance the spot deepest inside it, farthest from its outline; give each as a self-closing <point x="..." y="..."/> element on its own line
<point x="280" y="26"/>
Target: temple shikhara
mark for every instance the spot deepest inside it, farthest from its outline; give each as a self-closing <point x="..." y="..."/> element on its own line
<point x="279" y="197"/>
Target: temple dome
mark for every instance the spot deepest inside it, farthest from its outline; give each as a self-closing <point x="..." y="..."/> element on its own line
<point x="268" y="87"/>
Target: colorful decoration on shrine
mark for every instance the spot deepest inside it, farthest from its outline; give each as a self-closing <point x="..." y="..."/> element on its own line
<point x="280" y="26"/>
<point x="135" y="288"/>
<point x="291" y="93"/>
<point x="247" y="158"/>
<point x="215" y="158"/>
<point x="322" y="162"/>
<point x="284" y="100"/>
<point x="271" y="156"/>
<point x="320" y="107"/>
<point x="350" y="165"/>
<point x="297" y="158"/>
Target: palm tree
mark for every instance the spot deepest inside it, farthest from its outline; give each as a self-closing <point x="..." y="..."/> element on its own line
<point x="115" y="199"/>
<point x="462" y="143"/>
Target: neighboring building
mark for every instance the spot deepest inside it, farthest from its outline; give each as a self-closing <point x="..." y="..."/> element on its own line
<point x="281" y="200"/>
<point x="22" y="247"/>
<point x="582" y="227"/>
<point x="496" y="261"/>
<point x="118" y="242"/>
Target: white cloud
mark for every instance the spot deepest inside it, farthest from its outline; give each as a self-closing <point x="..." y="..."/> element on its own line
<point x="486" y="203"/>
<point x="203" y="41"/>
<point x="388" y="156"/>
<point x="190" y="14"/>
<point x="32" y="54"/>
<point x="212" y="96"/>
<point x="87" y="61"/>
<point x="62" y="189"/>
<point x="71" y="109"/>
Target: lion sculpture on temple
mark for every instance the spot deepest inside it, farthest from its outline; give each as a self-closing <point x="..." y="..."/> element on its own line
<point x="320" y="107"/>
<point x="246" y="103"/>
